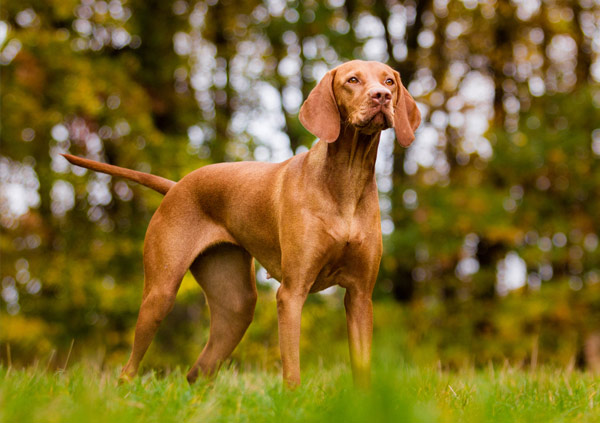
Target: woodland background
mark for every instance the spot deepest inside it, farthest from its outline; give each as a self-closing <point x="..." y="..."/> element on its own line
<point x="490" y="218"/>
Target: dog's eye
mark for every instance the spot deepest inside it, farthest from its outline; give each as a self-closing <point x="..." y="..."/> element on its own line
<point x="353" y="80"/>
<point x="389" y="81"/>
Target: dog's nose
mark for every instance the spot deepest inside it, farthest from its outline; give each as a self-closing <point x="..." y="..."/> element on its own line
<point x="380" y="95"/>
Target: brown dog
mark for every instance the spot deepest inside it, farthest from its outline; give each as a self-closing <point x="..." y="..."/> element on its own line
<point x="311" y="221"/>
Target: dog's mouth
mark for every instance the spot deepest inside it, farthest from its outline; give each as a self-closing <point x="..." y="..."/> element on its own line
<point x="380" y="118"/>
<point x="377" y="118"/>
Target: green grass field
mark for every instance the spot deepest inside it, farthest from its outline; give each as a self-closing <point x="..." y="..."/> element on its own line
<point x="400" y="393"/>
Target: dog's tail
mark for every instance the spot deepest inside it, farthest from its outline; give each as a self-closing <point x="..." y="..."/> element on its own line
<point x="157" y="183"/>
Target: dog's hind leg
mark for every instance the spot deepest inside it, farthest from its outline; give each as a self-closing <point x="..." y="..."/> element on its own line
<point x="169" y="250"/>
<point x="155" y="306"/>
<point x="226" y="274"/>
<point x="160" y="290"/>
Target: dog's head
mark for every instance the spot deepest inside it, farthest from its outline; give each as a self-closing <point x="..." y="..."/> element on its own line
<point x="367" y="95"/>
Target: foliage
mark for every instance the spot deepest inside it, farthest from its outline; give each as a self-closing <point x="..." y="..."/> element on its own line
<point x="490" y="218"/>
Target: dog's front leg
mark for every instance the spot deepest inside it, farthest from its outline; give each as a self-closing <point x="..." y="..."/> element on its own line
<point x="359" y="317"/>
<point x="290" y="300"/>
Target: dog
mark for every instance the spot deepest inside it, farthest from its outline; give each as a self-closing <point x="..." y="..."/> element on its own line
<point x="312" y="221"/>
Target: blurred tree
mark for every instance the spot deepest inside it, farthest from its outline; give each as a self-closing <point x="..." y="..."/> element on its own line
<point x="498" y="193"/>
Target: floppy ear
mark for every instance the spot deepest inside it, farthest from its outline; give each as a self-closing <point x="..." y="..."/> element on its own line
<point x="407" y="117"/>
<point x="319" y="113"/>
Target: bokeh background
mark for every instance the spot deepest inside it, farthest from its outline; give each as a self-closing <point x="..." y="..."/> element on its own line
<point x="490" y="218"/>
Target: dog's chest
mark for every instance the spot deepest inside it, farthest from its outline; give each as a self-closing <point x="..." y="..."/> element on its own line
<point x="347" y="255"/>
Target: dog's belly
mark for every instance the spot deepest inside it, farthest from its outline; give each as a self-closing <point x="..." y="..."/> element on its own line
<point x="273" y="268"/>
<point x="334" y="272"/>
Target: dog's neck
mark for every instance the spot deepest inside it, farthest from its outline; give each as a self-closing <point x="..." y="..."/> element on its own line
<point x="345" y="168"/>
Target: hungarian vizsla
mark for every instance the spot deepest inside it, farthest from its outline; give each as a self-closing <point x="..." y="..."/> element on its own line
<point x="312" y="222"/>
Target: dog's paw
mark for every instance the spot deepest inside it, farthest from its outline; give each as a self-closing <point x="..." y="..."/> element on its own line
<point x="125" y="379"/>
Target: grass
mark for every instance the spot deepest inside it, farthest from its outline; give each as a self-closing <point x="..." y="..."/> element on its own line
<point x="400" y="393"/>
